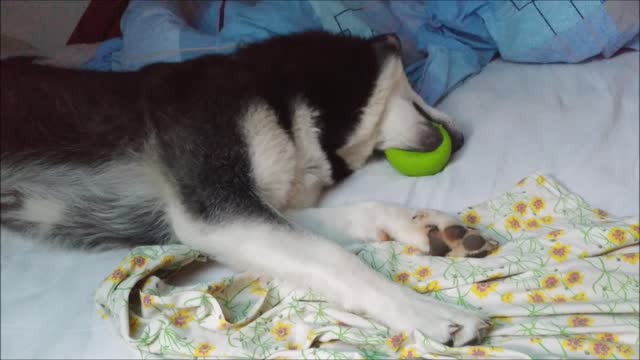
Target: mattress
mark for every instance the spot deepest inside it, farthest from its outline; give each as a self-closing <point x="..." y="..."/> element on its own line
<point x="577" y="123"/>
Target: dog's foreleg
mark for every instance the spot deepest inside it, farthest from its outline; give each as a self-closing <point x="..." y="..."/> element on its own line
<point x="431" y="231"/>
<point x="308" y="260"/>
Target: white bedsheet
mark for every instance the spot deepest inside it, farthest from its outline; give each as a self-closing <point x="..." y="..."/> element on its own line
<point x="579" y="123"/>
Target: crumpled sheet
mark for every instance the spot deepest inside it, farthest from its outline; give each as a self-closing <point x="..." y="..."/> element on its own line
<point x="564" y="284"/>
<point x="444" y="42"/>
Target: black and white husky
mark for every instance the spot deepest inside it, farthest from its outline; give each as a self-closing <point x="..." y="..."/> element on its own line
<point x="216" y="152"/>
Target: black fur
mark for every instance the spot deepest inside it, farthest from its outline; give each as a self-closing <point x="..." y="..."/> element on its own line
<point x="187" y="114"/>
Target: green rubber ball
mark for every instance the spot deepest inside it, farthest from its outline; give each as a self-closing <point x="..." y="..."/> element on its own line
<point x="414" y="163"/>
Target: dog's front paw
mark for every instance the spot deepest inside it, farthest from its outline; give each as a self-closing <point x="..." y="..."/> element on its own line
<point x="447" y="237"/>
<point x="432" y="231"/>
<point x="443" y="323"/>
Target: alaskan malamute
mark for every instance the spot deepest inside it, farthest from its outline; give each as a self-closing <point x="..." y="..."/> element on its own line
<point x="215" y="153"/>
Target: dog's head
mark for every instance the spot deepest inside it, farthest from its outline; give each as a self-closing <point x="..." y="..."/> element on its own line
<point x="359" y="91"/>
<point x="394" y="115"/>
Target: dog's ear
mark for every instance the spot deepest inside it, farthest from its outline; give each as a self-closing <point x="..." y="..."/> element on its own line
<point x="386" y="45"/>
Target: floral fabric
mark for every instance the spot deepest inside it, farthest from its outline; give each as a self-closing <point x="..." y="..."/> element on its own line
<point x="564" y="284"/>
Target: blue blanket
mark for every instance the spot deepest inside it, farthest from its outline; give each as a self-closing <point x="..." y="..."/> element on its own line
<point x="444" y="42"/>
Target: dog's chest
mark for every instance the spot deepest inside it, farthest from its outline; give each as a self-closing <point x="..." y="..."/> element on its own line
<point x="290" y="171"/>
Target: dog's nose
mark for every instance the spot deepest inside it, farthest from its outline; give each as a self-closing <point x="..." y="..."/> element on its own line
<point x="430" y="139"/>
<point x="457" y="140"/>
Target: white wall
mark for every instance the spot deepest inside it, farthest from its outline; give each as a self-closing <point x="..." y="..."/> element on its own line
<point x="45" y="24"/>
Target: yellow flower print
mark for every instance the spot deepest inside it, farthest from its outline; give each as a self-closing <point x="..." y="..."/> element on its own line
<point x="574" y="344"/>
<point x="617" y="236"/>
<point x="293" y="346"/>
<point x="583" y="254"/>
<point x="182" y="318"/>
<point x="536" y="297"/>
<point x="118" y="275"/>
<point x="402" y="278"/>
<point x="148" y="283"/>
<point x="396" y="341"/>
<point x="601" y="349"/>
<point x="550" y="282"/>
<point x="635" y="230"/>
<point x="532" y="224"/>
<point x="311" y="335"/>
<point x="537" y="204"/>
<point x="631" y="258"/>
<point x="203" y="349"/>
<point x="422" y="272"/>
<point x="433" y="286"/>
<point x="148" y="301"/>
<point x="573" y="278"/>
<point x="409" y="353"/>
<point x="495" y="251"/>
<point x="600" y="213"/>
<point x="541" y="180"/>
<point x="103" y="315"/>
<point x="138" y="261"/>
<point x="580" y="297"/>
<point x="168" y="260"/>
<point x="521" y="182"/>
<point x="579" y="321"/>
<point x="625" y="351"/>
<point x="502" y="319"/>
<point x="513" y="223"/>
<point x="477" y="351"/>
<point x="281" y="331"/>
<point x="134" y="324"/>
<point x="559" y="252"/>
<point x="257" y="289"/>
<point x="606" y="336"/>
<point x="520" y="207"/>
<point x="555" y="234"/>
<point x="547" y="220"/>
<point x="216" y="287"/>
<point x="471" y="218"/>
<point x="420" y="288"/>
<point x="483" y="289"/>
<point x="497" y="275"/>
<point x="507" y="297"/>
<point x="559" y="299"/>
<point x="223" y="324"/>
<point x="410" y="250"/>
<point x="536" y="340"/>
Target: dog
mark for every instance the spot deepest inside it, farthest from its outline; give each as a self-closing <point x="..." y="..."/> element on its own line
<point x="218" y="152"/>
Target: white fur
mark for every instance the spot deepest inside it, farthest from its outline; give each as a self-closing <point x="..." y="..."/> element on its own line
<point x="363" y="140"/>
<point x="365" y="222"/>
<point x="272" y="154"/>
<point x="401" y="125"/>
<point x="313" y="170"/>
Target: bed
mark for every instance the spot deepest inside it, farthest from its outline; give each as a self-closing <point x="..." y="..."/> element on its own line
<point x="577" y="123"/>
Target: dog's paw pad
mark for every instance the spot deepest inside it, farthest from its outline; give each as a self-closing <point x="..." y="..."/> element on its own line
<point x="459" y="241"/>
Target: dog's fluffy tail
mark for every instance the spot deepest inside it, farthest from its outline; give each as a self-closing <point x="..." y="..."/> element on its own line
<point x="90" y="207"/>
